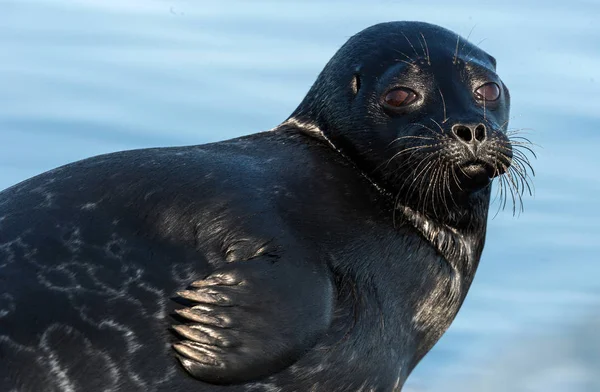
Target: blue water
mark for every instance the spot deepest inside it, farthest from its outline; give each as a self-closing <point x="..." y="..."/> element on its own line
<point x="84" y="77"/>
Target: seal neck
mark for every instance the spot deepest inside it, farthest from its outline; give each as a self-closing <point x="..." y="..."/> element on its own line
<point x="458" y="236"/>
<point x="314" y="131"/>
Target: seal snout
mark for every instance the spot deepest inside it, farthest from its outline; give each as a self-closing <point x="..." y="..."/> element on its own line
<point x="479" y="163"/>
<point x="479" y="147"/>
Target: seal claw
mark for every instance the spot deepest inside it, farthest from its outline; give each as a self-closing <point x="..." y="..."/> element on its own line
<point x="197" y="315"/>
<point x="203" y="335"/>
<point x="196" y="353"/>
<point x="217" y="280"/>
<point x="203" y="296"/>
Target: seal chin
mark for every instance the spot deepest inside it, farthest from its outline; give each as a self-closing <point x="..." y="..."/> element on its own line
<point x="475" y="175"/>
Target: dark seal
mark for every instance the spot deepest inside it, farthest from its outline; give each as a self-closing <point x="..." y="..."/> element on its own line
<point x="329" y="254"/>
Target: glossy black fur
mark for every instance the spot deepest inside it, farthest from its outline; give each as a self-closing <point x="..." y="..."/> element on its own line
<point x="309" y="263"/>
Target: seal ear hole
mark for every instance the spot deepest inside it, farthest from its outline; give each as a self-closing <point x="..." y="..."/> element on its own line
<point x="355" y="83"/>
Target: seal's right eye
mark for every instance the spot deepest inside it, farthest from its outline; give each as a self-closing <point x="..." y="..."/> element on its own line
<point x="488" y="92"/>
<point x="399" y="97"/>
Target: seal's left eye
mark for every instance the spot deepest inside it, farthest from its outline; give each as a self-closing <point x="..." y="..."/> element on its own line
<point x="488" y="92"/>
<point x="399" y="97"/>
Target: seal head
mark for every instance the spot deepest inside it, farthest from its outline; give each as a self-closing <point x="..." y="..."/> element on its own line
<point x="419" y="109"/>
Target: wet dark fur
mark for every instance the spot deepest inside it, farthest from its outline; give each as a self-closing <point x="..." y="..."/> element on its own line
<point x="318" y="256"/>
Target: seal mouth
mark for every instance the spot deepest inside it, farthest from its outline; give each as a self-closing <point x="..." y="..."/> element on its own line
<point x="474" y="168"/>
<point x="475" y="175"/>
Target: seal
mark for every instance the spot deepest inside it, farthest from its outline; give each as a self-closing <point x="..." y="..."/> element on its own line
<point x="328" y="254"/>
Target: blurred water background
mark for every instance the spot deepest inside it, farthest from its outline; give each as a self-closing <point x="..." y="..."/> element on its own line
<point x="84" y="77"/>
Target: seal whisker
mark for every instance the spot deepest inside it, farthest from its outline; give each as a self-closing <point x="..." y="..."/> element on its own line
<point x="521" y="172"/>
<point x="411" y="137"/>
<point x="439" y="135"/>
<point x="522" y="158"/>
<point x="513" y="135"/>
<point x="422" y="47"/>
<point x="516" y="150"/>
<point x="421" y="206"/>
<point x="455" y="59"/>
<point x="519" y="140"/>
<point x="501" y="190"/>
<point x="497" y="196"/>
<point x="519" y="131"/>
<point x="435" y="192"/>
<point x="410" y="43"/>
<point x="475" y="46"/>
<point x="514" y="132"/>
<point x="432" y="187"/>
<point x="466" y="41"/>
<point x="441" y="194"/>
<point x="468" y="36"/>
<point x="421" y="146"/>
<point x="502" y="155"/>
<point x="519" y="194"/>
<point x="428" y="190"/>
<point x="519" y="178"/>
<point x="510" y="192"/>
<point x="406" y="167"/>
<point x="505" y="123"/>
<point x="411" y="148"/>
<point x="484" y="110"/>
<point x="520" y="169"/>
<point x="517" y="153"/>
<point x="522" y="140"/>
<point x="447" y="170"/>
<point x="456" y="180"/>
<point x="439" y="126"/>
<point x="500" y="196"/>
<point x="524" y="145"/>
<point x="506" y="190"/>
<point x="448" y="178"/>
<point x="426" y="49"/>
<point x="401" y="152"/>
<point x="444" y="105"/>
<point x="513" y="187"/>
<point x="406" y="62"/>
<point x="510" y="187"/>
<point x="412" y="61"/>
<point x="518" y="147"/>
<point x="446" y="187"/>
<point x="428" y="161"/>
<point x="420" y="179"/>
<point x="437" y="189"/>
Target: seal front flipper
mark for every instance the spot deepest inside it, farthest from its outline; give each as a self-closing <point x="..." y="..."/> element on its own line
<point x="251" y="319"/>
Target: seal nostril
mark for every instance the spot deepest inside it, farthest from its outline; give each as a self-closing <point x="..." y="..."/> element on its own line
<point x="480" y="133"/>
<point x="463" y="133"/>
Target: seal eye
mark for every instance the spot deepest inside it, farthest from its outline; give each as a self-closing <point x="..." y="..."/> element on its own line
<point x="399" y="97"/>
<point x="488" y="92"/>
